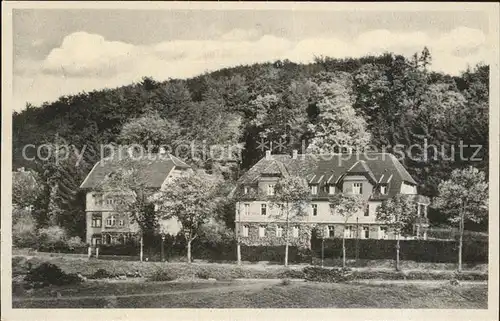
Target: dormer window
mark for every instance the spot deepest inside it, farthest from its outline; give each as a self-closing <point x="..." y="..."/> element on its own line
<point x="383" y="189"/>
<point x="314" y="189"/>
<point x="245" y="190"/>
<point x="331" y="189"/>
<point x="357" y="188"/>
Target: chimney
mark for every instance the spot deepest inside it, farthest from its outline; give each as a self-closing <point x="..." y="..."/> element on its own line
<point x="268" y="154"/>
<point x="294" y="154"/>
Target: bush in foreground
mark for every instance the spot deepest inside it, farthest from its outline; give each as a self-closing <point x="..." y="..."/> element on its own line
<point x="327" y="275"/>
<point x="163" y="275"/>
<point x="50" y="274"/>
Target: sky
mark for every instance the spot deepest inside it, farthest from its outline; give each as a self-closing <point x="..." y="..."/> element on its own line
<point x="61" y="52"/>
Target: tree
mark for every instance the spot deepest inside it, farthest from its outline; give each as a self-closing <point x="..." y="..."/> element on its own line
<point x="291" y="195"/>
<point x="463" y="197"/>
<point x="150" y="129"/>
<point x="346" y="205"/>
<point x="336" y="123"/>
<point x="26" y="188"/>
<point x="399" y="213"/>
<point x="190" y="198"/>
<point x="131" y="194"/>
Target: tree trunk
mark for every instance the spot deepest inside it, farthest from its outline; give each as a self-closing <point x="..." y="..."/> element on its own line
<point x="286" y="240"/>
<point x="238" y="237"/>
<point x="322" y="252"/>
<point x="460" y="242"/>
<point x="189" y="251"/>
<point x="343" y="250"/>
<point x="238" y="253"/>
<point x="141" y="254"/>
<point x="162" y="248"/>
<point x="397" y="251"/>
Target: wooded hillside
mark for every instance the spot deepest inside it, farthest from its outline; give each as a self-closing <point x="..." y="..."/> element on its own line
<point x="377" y="101"/>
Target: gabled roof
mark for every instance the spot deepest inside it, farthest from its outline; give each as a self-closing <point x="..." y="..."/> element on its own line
<point x="360" y="167"/>
<point x="152" y="169"/>
<point x="325" y="169"/>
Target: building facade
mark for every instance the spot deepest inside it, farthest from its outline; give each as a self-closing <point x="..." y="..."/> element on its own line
<point x="374" y="176"/>
<point x="105" y="224"/>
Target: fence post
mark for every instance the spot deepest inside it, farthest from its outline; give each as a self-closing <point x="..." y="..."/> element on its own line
<point x="89" y="251"/>
<point x="97" y="252"/>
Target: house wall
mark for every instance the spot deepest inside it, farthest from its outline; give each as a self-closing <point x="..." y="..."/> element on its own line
<point x="95" y="206"/>
<point x="324" y="215"/>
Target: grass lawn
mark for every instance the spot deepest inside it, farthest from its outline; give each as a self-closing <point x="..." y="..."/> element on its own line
<point x="258" y="294"/>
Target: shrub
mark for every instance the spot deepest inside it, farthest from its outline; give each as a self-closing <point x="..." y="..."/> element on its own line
<point x="292" y="274"/>
<point x="203" y="275"/>
<point x="285" y="282"/>
<point x="327" y="275"/>
<point x="75" y="243"/>
<point x="51" y="239"/>
<point x="24" y="230"/>
<point x="50" y="274"/>
<point x="101" y="274"/>
<point x="163" y="275"/>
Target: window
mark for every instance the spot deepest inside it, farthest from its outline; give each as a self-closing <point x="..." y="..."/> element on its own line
<point x="331" y="189"/>
<point x="111" y="220"/>
<point x="279" y="231"/>
<point x="121" y="222"/>
<point x="366" y="232"/>
<point x="314" y="189"/>
<point x="262" y="231"/>
<point x="332" y="209"/>
<point x="107" y="239"/>
<point x="314" y="208"/>
<point x="367" y="210"/>
<point x="270" y="189"/>
<point x="348" y="232"/>
<point x="357" y="188"/>
<point x="263" y="209"/>
<point x="382" y="232"/>
<point x="96" y="220"/>
<point x="247" y="209"/>
<point x="245" y="190"/>
<point x="383" y="189"/>
<point x="331" y="231"/>
<point x="244" y="231"/>
<point x="295" y="231"/>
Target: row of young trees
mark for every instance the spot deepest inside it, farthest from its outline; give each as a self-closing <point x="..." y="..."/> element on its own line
<point x="195" y="199"/>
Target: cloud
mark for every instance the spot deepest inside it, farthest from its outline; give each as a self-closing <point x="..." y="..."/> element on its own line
<point x="240" y="34"/>
<point x="89" y="61"/>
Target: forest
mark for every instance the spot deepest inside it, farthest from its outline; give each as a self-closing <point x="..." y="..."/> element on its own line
<point x="377" y="101"/>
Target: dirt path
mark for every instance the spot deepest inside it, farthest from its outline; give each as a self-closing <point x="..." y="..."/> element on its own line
<point x="418" y="282"/>
<point x="239" y="287"/>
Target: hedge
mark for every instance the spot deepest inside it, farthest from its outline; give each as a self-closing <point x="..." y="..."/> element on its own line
<point x="437" y="251"/>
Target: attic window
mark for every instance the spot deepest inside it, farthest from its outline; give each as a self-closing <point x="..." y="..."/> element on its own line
<point x="383" y="189"/>
<point x="314" y="189"/>
<point x="245" y="190"/>
<point x="331" y="189"/>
